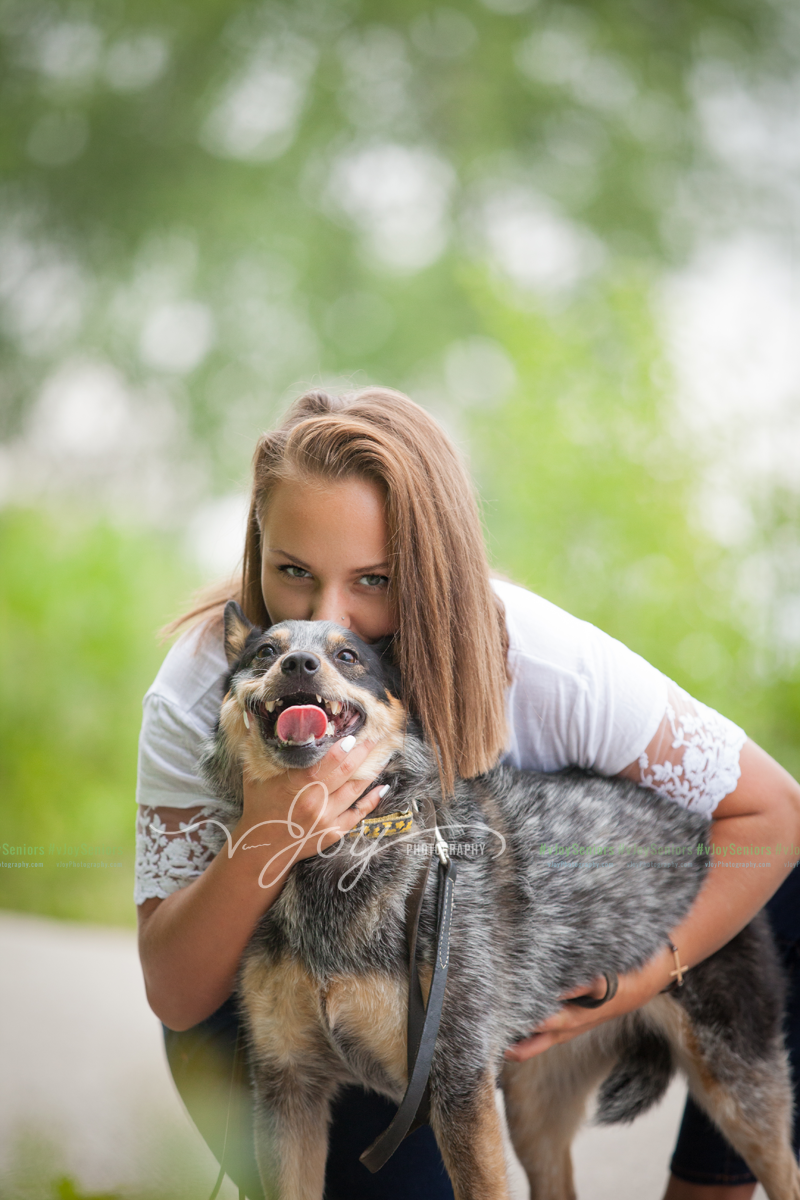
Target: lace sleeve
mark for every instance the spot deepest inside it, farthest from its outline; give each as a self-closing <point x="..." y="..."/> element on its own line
<point x="169" y="854"/>
<point x="694" y="756"/>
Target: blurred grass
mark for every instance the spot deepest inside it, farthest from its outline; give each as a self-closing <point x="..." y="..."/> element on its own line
<point x="80" y="603"/>
<point x="173" y="1167"/>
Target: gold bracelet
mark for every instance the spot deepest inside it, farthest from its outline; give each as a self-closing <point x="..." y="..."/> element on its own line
<point x="678" y="973"/>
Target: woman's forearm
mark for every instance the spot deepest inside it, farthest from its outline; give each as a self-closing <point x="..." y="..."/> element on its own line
<point x="761" y="821"/>
<point x="763" y="811"/>
<point x="191" y="942"/>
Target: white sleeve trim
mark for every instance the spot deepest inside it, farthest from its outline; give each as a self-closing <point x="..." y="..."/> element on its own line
<point x="694" y="756"/>
<point x="170" y="855"/>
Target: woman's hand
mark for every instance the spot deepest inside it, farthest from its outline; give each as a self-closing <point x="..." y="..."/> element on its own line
<point x="760" y="819"/>
<point x="301" y="812"/>
<point x="635" y="989"/>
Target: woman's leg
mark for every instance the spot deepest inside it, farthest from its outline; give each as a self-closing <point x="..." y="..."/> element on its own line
<point x="704" y="1166"/>
<point x="218" y="1099"/>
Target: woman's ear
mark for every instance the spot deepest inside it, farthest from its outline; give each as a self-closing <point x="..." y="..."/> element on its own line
<point x="237" y="630"/>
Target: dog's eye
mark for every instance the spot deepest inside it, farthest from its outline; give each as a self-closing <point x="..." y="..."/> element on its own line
<point x="347" y="656"/>
<point x="265" y="652"/>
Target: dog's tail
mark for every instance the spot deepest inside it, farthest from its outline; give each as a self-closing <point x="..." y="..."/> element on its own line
<point x="639" y="1079"/>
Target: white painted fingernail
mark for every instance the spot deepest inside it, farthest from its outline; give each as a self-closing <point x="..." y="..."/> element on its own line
<point x="383" y="790"/>
<point x="348" y="743"/>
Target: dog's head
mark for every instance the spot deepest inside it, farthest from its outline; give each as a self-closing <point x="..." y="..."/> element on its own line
<point x="300" y="686"/>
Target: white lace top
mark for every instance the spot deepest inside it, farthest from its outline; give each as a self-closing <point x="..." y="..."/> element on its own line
<point x="577" y="697"/>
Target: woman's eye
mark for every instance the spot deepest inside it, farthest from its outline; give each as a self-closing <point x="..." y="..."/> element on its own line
<point x="295" y="572"/>
<point x="375" y="581"/>
<point x="347" y="656"/>
<point x="265" y="652"/>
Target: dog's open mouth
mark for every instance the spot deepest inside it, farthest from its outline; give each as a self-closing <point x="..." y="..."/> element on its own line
<point x="302" y="719"/>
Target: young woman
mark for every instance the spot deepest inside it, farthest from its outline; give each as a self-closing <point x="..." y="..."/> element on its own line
<point x="363" y="514"/>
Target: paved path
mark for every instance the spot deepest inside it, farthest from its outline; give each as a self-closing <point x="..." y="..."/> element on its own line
<point x="83" y="1067"/>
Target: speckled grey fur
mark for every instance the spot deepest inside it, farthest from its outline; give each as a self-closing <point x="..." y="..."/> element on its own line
<point x="523" y="932"/>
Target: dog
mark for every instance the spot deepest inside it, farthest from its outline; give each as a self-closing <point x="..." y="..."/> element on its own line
<point x="323" y="982"/>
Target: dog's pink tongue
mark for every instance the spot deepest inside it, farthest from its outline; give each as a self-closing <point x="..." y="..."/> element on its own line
<point x="300" y="723"/>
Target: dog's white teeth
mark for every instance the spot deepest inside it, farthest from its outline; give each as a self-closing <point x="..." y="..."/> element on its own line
<point x="269" y="705"/>
<point x="319" y="699"/>
<point x="336" y="707"/>
<point x="246" y="718"/>
<point x="279" y="703"/>
<point x="331" y="729"/>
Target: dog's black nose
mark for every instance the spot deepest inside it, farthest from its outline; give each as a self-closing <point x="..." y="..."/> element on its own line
<point x="300" y="664"/>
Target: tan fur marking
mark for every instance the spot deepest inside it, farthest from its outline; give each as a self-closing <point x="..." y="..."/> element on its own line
<point x="545" y="1101"/>
<point x="283" y="1007"/>
<point x="302" y="1157"/>
<point x="385" y="724"/>
<point x="472" y="1148"/>
<point x="372" y="1008"/>
<point x="236" y="632"/>
<point x="760" y="1131"/>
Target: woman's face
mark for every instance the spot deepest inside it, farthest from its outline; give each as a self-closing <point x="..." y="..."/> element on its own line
<point x="325" y="556"/>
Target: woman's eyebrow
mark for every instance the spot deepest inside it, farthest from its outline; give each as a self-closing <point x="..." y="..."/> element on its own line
<point x="384" y="566"/>
<point x="286" y="554"/>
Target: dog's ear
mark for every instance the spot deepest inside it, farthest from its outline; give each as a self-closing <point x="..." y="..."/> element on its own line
<point x="237" y="628"/>
<point x="385" y="649"/>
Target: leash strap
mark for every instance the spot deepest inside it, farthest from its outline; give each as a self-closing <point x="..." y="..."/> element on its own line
<point x="423" y="1022"/>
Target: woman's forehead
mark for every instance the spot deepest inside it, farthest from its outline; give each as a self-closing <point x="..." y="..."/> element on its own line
<point x="348" y="513"/>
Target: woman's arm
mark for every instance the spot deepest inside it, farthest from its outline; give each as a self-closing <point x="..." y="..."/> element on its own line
<point x="763" y="810"/>
<point x="191" y="942"/>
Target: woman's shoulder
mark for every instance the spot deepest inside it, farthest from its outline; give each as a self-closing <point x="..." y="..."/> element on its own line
<point x="578" y="696"/>
<point x="540" y="630"/>
<point x="191" y="675"/>
<point x="180" y="712"/>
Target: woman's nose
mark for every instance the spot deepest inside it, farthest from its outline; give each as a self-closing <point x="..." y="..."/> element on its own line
<point x="331" y="607"/>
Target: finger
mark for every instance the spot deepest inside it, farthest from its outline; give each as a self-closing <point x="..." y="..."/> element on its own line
<point x="529" y="1047"/>
<point x="349" y="818"/>
<point x="567" y="1020"/>
<point x="340" y="762"/>
<point x="361" y="807"/>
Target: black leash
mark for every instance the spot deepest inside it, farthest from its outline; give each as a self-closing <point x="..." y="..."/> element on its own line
<point x="423" y="1021"/>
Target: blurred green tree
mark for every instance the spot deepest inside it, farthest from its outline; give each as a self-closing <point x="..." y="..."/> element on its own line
<point x="206" y="208"/>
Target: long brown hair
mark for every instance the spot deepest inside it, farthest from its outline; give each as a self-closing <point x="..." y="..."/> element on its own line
<point x="452" y="644"/>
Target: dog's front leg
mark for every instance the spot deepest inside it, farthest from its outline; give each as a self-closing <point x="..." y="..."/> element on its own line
<point x="468" y="1129"/>
<point x="292" y="1118"/>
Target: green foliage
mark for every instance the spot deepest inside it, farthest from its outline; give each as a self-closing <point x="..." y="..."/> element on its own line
<point x="154" y="190"/>
<point x="587" y="496"/>
<point x="131" y="187"/>
<point x="79" y="606"/>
